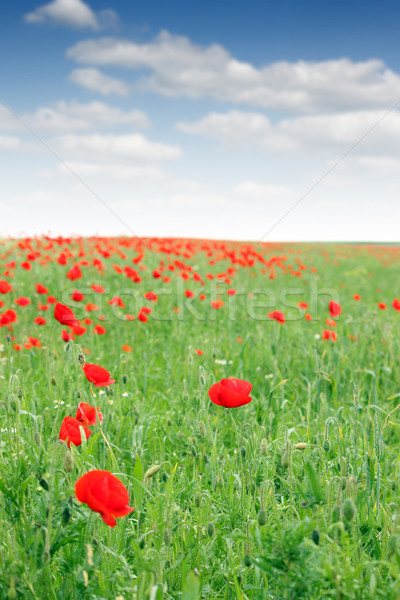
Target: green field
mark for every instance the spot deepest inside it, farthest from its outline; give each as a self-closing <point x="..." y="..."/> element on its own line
<point x="294" y="495"/>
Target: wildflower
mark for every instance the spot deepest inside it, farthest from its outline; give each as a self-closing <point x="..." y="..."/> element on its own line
<point x="70" y="431"/>
<point x="396" y="304"/>
<point x="88" y="414"/>
<point x="104" y="493"/>
<point x="230" y="393"/>
<point x="334" y="309"/>
<point x="22" y="301"/>
<point x="97" y="375"/>
<point x="276" y="315"/>
<point x="64" y="315"/>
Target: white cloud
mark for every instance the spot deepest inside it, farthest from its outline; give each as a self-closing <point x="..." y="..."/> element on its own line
<point x="109" y="148"/>
<point x="95" y="81"/>
<point x="308" y="135"/>
<point x="180" y="68"/>
<point x="73" y="116"/>
<point x="72" y="13"/>
<point x="101" y="171"/>
<point x="10" y="142"/>
<point x="251" y="190"/>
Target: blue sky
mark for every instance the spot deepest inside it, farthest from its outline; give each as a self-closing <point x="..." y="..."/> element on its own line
<point x="203" y="119"/>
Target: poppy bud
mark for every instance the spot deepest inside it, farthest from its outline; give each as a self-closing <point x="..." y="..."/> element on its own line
<point x="151" y="472"/>
<point x="11" y="594"/>
<point x="202" y="429"/>
<point x="263" y="446"/>
<point x="43" y="483"/>
<point x="20" y="393"/>
<point x="285" y="459"/>
<point x="167" y="536"/>
<point x="81" y="359"/>
<point x="326" y="445"/>
<point x="300" y="446"/>
<point x="194" y="451"/>
<point x="202" y="376"/>
<point x="85" y="578"/>
<point x="8" y="338"/>
<point x="37" y="438"/>
<point x="66" y="515"/>
<point x="336" y="513"/>
<point x="315" y="537"/>
<point x="242" y="451"/>
<point x="164" y="477"/>
<point x="393" y="485"/>
<point x="197" y="500"/>
<point x="89" y="555"/>
<point x="246" y="560"/>
<point x="124" y="379"/>
<point x="349" y="509"/>
<point x="351" y="486"/>
<point x="211" y="530"/>
<point x="262" y="518"/>
<point x="53" y="381"/>
<point x="68" y="461"/>
<point x="142" y="542"/>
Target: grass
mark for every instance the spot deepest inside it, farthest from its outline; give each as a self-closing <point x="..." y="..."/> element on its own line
<point x="294" y="495"/>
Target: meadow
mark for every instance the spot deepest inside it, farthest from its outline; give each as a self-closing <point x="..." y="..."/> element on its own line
<point x="292" y="495"/>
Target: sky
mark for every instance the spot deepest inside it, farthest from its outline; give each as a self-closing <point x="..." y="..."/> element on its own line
<point x="251" y="120"/>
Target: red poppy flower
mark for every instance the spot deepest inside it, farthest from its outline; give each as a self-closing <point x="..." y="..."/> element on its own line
<point x="64" y="315"/>
<point x="382" y="305"/>
<point x="142" y="317"/>
<point x="70" y="431"/>
<point x="5" y="287"/>
<point x="78" y="329"/>
<point x="230" y="393"/>
<point x="127" y="348"/>
<point x="97" y="375"/>
<point x="189" y="293"/>
<point x="217" y="303"/>
<point x="41" y="289"/>
<point x="199" y="352"/>
<point x="356" y="297"/>
<point x="302" y="305"/>
<point x="334" y="309"/>
<point x="74" y="273"/>
<point x="22" y="301"/>
<point x="231" y="292"/>
<point x="97" y="288"/>
<point x="307" y="317"/>
<point x="88" y="414"/>
<point x="396" y="304"/>
<point x="150" y="296"/>
<point x="66" y="336"/>
<point x="40" y="321"/>
<point x="77" y="296"/>
<point x="276" y="315"/>
<point x="104" y="493"/>
<point x="11" y="315"/>
<point x="35" y="342"/>
<point x="91" y="307"/>
<point x="99" y="329"/>
<point x="118" y="301"/>
<point x="51" y="300"/>
<point x="329" y="335"/>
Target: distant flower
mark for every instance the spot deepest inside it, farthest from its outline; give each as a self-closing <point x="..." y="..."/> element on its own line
<point x="22" y="301"/>
<point x="97" y="375"/>
<point x="88" y="414"/>
<point x="334" y="309"/>
<point x="396" y="304"/>
<point x="64" y="315"/>
<point x="230" y="393"/>
<point x="104" y="493"/>
<point x="382" y="305"/>
<point x="276" y="315"/>
<point x="356" y="297"/>
<point x="70" y="431"/>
